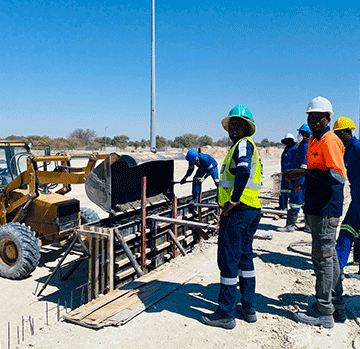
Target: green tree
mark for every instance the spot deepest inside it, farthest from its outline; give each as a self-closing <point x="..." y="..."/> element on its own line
<point x="223" y="142"/>
<point x="144" y="143"/>
<point x="187" y="140"/>
<point x="59" y="143"/>
<point x="205" y="140"/>
<point x="160" y="142"/>
<point x="14" y="138"/>
<point x="121" y="141"/>
<point x="103" y="141"/>
<point x="74" y="143"/>
<point x="94" y="145"/>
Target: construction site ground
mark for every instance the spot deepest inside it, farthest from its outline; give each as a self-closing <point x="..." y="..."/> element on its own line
<point x="285" y="284"/>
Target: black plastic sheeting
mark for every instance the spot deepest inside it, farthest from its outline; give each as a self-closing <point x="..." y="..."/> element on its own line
<point x="117" y="180"/>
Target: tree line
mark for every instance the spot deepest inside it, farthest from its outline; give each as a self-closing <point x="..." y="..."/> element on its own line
<point x="80" y="138"/>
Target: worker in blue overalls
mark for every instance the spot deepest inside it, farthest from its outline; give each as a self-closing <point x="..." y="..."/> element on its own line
<point x="350" y="226"/>
<point x="297" y="187"/>
<point x="287" y="158"/>
<point x="207" y="166"/>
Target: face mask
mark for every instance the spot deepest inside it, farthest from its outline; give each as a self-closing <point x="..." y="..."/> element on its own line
<point x="300" y="137"/>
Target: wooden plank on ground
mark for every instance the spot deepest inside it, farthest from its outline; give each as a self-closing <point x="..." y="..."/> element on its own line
<point x="121" y="305"/>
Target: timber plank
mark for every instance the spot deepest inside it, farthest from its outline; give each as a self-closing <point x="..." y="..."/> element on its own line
<point x="121" y="305"/>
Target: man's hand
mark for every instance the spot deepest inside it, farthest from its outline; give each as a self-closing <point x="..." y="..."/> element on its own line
<point x="291" y="175"/>
<point x="183" y="180"/>
<point x="297" y="187"/>
<point x="200" y="180"/>
<point x="227" y="207"/>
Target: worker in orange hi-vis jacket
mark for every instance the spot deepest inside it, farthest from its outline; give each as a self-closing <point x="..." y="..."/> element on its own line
<point x="324" y="197"/>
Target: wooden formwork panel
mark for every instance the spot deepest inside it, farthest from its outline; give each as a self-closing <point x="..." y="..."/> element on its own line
<point x="121" y="305"/>
<point x="109" y="265"/>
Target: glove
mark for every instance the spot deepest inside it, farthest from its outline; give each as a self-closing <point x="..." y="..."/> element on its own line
<point x="183" y="180"/>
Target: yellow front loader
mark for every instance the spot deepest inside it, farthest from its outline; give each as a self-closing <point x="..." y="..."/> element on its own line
<point x="30" y="214"/>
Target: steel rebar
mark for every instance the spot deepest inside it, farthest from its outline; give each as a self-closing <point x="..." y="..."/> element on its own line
<point x="47" y="313"/>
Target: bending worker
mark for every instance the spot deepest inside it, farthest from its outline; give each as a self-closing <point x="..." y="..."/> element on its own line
<point x="239" y="188"/>
<point x="297" y="187"/>
<point x="207" y="166"/>
<point x="324" y="198"/>
<point x="350" y="226"/>
<point x="287" y="158"/>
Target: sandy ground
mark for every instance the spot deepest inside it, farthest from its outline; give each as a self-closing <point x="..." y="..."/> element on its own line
<point x="285" y="283"/>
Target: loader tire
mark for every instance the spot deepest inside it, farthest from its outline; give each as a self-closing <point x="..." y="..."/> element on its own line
<point x="87" y="215"/>
<point x="19" y="251"/>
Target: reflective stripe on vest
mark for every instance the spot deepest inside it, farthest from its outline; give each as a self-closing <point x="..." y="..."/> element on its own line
<point x="227" y="180"/>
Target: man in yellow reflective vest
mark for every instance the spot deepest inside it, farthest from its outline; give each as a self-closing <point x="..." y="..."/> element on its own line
<point x="239" y="188"/>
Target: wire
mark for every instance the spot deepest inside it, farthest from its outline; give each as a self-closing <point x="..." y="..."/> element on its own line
<point x="300" y="243"/>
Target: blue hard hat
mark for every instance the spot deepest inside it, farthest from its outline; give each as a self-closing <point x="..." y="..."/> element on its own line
<point x="191" y="155"/>
<point x="241" y="112"/>
<point x="304" y="128"/>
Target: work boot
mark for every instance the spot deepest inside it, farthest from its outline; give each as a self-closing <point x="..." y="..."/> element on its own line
<point x="306" y="228"/>
<point x="248" y="317"/>
<point x="339" y="315"/>
<point x="290" y="222"/>
<point x="314" y="318"/>
<point x="217" y="320"/>
<point x="287" y="229"/>
<point x="354" y="275"/>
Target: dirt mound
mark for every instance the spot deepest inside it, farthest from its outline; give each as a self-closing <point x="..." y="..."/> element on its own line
<point x="270" y="151"/>
<point x="214" y="151"/>
<point x="220" y="152"/>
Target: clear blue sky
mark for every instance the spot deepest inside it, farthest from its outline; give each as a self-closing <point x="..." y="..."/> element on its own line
<point x="86" y="64"/>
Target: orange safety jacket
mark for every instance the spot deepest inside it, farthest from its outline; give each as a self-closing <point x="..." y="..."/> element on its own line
<point x="326" y="153"/>
<point x="325" y="175"/>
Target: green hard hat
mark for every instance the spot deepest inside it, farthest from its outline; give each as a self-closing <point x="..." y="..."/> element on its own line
<point x="241" y="112"/>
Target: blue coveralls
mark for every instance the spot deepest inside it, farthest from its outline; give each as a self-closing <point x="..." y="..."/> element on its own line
<point x="287" y="157"/>
<point x="236" y="233"/>
<point x="207" y="165"/>
<point x="296" y="199"/>
<point x="350" y="226"/>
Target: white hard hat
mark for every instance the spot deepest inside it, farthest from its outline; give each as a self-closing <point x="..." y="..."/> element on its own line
<point x="289" y="136"/>
<point x="321" y="105"/>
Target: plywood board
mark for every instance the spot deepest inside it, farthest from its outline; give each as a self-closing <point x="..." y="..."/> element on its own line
<point x="121" y="305"/>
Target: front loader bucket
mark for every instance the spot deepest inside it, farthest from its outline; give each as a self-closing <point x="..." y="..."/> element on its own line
<point x="117" y="180"/>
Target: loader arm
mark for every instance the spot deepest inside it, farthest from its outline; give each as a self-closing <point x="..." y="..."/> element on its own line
<point x="27" y="178"/>
<point x="32" y="178"/>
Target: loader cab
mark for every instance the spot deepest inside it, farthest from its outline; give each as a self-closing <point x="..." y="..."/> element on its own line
<point x="13" y="155"/>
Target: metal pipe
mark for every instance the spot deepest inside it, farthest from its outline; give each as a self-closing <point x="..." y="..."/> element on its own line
<point x="278" y="212"/>
<point x="177" y="242"/>
<point x="143" y="223"/>
<point x="47" y="313"/>
<point x="175" y="227"/>
<point x="9" y="335"/>
<point x="128" y="253"/>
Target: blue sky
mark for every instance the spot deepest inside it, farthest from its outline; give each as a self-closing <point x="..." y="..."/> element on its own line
<point x="86" y="64"/>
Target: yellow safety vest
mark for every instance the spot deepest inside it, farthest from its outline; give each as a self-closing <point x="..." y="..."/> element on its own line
<point x="250" y="195"/>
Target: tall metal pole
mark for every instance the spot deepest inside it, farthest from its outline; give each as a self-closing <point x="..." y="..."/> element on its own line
<point x="359" y="104"/>
<point x="105" y="139"/>
<point x="152" y="107"/>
